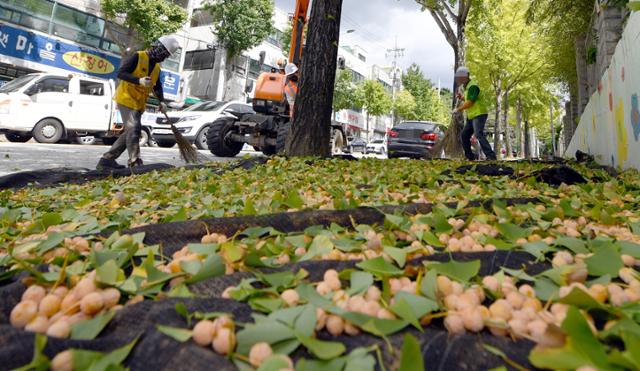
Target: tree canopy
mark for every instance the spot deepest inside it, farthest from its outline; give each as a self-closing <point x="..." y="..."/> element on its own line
<point x="146" y="20"/>
<point x="345" y="93"/>
<point x="428" y="104"/>
<point x="240" y="25"/>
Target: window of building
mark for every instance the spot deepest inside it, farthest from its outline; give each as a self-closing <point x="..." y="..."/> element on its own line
<point x="77" y="26"/>
<point x="255" y="68"/>
<point x="199" y="59"/>
<point x="276" y="38"/>
<point x="63" y="21"/>
<point x="173" y="62"/>
<point x="91" y="88"/>
<point x="201" y="18"/>
<point x="240" y="64"/>
<point x="33" y="14"/>
<point x="356" y="77"/>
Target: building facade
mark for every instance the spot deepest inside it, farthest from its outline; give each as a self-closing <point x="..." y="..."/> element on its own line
<point x="206" y="74"/>
<point x="356" y="61"/>
<point x="64" y="36"/>
<point x="72" y="36"/>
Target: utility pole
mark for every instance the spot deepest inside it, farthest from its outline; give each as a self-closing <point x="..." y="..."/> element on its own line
<point x="396" y="53"/>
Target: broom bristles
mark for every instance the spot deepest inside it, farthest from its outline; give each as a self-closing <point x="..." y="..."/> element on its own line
<point x="188" y="152"/>
<point x="448" y="143"/>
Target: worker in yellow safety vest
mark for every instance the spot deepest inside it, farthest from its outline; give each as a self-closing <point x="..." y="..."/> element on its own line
<point x="477" y="108"/>
<point x="138" y="76"/>
<point x="291" y="86"/>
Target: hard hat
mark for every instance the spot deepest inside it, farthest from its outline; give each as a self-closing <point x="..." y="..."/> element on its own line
<point x="170" y="43"/>
<point x="462" y="72"/>
<point x="290" y="69"/>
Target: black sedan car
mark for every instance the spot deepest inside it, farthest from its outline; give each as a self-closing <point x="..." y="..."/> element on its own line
<point x="414" y="139"/>
<point x="357" y="145"/>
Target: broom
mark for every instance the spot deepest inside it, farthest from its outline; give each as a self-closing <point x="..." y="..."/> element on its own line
<point x="450" y="140"/>
<point x="188" y="152"/>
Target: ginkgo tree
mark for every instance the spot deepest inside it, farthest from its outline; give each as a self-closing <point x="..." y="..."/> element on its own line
<point x="451" y="17"/>
<point x="143" y="21"/>
<point x="505" y="51"/>
<point x="374" y="99"/>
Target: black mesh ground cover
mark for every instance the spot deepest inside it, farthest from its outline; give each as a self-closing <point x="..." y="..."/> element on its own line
<point x="60" y="176"/>
<point x="50" y="177"/>
<point x="175" y="235"/>
<point x="155" y="350"/>
<point x="491" y="263"/>
<point x="558" y="175"/>
<point x="483" y="169"/>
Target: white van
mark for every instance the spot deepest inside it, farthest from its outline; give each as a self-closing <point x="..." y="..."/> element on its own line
<point x="50" y="107"/>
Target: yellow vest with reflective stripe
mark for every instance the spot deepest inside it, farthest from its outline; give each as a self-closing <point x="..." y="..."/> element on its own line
<point x="480" y="107"/>
<point x="135" y="96"/>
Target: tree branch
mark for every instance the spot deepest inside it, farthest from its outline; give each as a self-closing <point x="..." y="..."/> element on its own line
<point x="465" y="6"/>
<point x="454" y="17"/>
<point x="445" y="27"/>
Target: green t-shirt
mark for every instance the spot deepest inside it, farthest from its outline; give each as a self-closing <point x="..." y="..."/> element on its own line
<point x="474" y="93"/>
<point x="480" y="107"/>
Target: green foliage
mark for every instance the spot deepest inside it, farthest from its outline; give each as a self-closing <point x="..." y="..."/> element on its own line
<point x="345" y="92"/>
<point x="405" y="105"/>
<point x="561" y="21"/>
<point x="512" y="57"/>
<point x="285" y="39"/>
<point x="429" y="106"/>
<point x="372" y="96"/>
<point x="149" y="19"/>
<point x="241" y="24"/>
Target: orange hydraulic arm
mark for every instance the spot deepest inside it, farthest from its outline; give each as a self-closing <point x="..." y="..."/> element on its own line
<point x="300" y="19"/>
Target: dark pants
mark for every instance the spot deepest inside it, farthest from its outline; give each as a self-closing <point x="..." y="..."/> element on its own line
<point x="130" y="139"/>
<point x="476" y="127"/>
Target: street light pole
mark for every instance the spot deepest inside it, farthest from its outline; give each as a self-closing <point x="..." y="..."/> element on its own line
<point x="396" y="52"/>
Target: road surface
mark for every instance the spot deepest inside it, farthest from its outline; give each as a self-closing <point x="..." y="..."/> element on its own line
<point x="16" y="157"/>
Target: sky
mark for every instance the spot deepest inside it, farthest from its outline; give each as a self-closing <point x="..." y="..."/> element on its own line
<point x="378" y="22"/>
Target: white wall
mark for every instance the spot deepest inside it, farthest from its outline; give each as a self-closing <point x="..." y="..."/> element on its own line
<point x="610" y="126"/>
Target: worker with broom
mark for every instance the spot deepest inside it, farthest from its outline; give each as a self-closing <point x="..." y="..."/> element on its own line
<point x="138" y="75"/>
<point x="475" y="104"/>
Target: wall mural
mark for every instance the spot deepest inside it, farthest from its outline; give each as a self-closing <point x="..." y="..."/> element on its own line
<point x="610" y="125"/>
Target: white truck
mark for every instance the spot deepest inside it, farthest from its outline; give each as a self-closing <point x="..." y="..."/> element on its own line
<point x="51" y="107"/>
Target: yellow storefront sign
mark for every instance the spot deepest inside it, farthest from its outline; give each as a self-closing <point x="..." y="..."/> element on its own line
<point x="88" y="62"/>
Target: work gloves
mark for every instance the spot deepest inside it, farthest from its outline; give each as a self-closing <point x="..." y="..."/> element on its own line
<point x="145" y="81"/>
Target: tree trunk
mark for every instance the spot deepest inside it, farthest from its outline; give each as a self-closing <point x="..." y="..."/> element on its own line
<point x="553" y="130"/>
<point x="519" y="141"/>
<point x="311" y="129"/>
<point x="367" y="126"/>
<point x="451" y="143"/>
<point x="527" y="139"/>
<point x="228" y="77"/>
<point x="505" y="120"/>
<point x="496" y="129"/>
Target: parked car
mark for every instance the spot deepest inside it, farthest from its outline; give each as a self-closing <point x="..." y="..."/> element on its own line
<point x="357" y="145"/>
<point x="414" y="139"/>
<point x="193" y="122"/>
<point x="378" y="146"/>
<point x="51" y="107"/>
